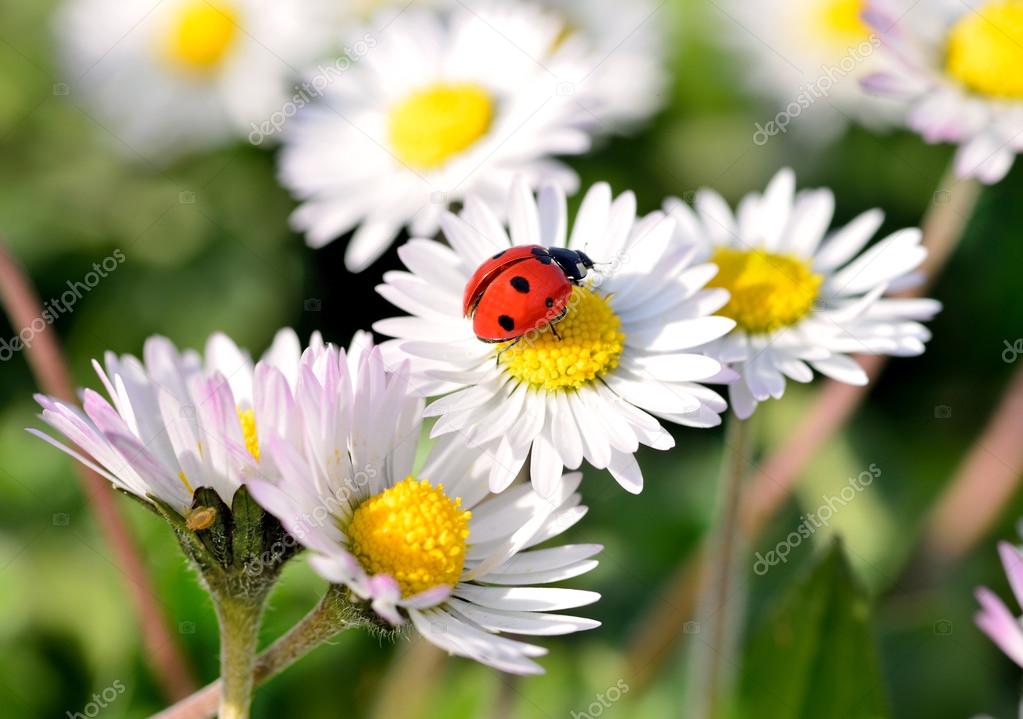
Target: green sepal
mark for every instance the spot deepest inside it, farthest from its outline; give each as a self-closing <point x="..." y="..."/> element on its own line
<point x="249" y="520"/>
<point x="217" y="536"/>
<point x="194" y="549"/>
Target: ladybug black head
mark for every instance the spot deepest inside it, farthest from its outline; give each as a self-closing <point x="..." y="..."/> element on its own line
<point x="574" y="264"/>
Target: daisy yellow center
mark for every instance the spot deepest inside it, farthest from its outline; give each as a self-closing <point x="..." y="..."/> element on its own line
<point x="842" y="20"/>
<point x="985" y="49"/>
<point x="202" y="35"/>
<point x="412" y="532"/>
<point x="248" y="419"/>
<point x="433" y="125"/>
<point x="769" y="291"/>
<point x="584" y="346"/>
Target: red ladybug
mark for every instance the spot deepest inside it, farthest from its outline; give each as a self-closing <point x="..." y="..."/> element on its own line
<point x="522" y="289"/>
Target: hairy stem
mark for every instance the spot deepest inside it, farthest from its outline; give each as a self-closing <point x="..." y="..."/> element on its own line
<point x="330" y="617"/>
<point x="239" y="620"/>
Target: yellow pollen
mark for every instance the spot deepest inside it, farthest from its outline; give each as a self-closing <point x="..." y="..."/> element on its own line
<point x="202" y="35"/>
<point x="769" y="291"/>
<point x="431" y="126"/>
<point x="842" y="20"/>
<point x="590" y="344"/>
<point x="184" y="481"/>
<point x="412" y="532"/>
<point x="248" y="419"/>
<point x="985" y="49"/>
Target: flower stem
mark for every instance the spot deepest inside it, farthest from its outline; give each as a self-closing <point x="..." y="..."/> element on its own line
<point x="944" y="225"/>
<point x="711" y="672"/>
<point x="239" y="619"/>
<point x="331" y="616"/>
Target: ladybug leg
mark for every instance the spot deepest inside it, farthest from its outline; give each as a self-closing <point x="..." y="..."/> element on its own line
<point x="510" y="345"/>
<point x="554" y="330"/>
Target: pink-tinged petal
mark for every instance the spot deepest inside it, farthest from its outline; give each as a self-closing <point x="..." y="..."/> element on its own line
<point x="385" y="593"/>
<point x="1012" y="560"/>
<point x="889" y="85"/>
<point x="428" y="598"/>
<point x="81" y="458"/>
<point x="986" y="158"/>
<point x="339" y="567"/>
<point x="1000" y="625"/>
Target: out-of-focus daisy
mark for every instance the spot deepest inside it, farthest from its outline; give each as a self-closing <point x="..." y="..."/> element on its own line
<point x="442" y="106"/>
<point x="620" y="357"/>
<point x="808" y="57"/>
<point x="618" y="74"/>
<point x="179" y="75"/>
<point x="803" y="297"/>
<point x="166" y="429"/>
<point x="956" y="68"/>
<point x="428" y="546"/>
<point x="997" y="620"/>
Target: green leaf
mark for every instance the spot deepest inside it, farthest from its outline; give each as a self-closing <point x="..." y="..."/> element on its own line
<point x="814" y="655"/>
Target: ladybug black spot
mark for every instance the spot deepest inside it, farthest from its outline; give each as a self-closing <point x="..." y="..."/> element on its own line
<point x="539" y="252"/>
<point x="506" y="322"/>
<point x="498" y="254"/>
<point x="549" y="302"/>
<point x="520" y="284"/>
<point x="544" y="259"/>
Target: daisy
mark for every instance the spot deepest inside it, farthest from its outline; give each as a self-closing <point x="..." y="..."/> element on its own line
<point x="426" y="545"/>
<point x="622" y="355"/>
<point x="619" y="50"/>
<point x="995" y="619"/>
<point x="802" y="297"/>
<point x="181" y="75"/>
<point x="956" y="70"/>
<point x="167" y="427"/>
<point x="442" y="106"/>
<point x="808" y="57"/>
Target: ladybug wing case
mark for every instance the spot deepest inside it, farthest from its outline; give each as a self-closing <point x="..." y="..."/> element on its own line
<point x="487" y="271"/>
<point x="523" y="297"/>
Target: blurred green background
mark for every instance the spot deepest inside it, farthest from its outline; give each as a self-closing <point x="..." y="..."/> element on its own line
<point x="207" y="248"/>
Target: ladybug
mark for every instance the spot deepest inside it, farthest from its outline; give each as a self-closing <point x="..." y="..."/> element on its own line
<point x="521" y="289"/>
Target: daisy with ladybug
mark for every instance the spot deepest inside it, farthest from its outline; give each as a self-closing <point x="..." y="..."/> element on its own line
<point x="588" y="358"/>
<point x="521" y="290"/>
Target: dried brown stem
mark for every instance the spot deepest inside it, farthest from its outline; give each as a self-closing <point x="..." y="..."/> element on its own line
<point x="47" y="363"/>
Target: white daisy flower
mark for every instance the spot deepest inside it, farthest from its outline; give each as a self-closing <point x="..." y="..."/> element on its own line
<point x="441" y="106"/>
<point x="428" y="546"/>
<point x="181" y="75"/>
<point x="956" y="70"/>
<point x="621" y="356"/>
<point x="168" y="426"/>
<point x="803" y="297"/>
<point x="619" y="52"/>
<point x="808" y="57"/>
<point x="619" y="75"/>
